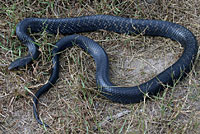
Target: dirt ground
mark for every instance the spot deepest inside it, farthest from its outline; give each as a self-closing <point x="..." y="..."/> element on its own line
<point x="72" y="105"/>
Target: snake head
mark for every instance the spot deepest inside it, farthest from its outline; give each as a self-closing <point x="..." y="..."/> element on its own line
<point x="21" y="62"/>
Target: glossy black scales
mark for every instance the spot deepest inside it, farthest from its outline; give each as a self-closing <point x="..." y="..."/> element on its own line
<point x="110" y="23"/>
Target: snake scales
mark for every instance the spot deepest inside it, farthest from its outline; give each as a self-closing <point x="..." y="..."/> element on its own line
<point x="110" y="23"/>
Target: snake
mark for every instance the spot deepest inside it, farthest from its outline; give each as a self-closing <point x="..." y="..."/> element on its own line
<point x="121" y="25"/>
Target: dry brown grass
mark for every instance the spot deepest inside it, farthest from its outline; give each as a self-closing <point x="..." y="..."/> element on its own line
<point x="73" y="106"/>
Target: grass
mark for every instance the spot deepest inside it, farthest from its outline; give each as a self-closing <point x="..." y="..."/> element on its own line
<point x="73" y="105"/>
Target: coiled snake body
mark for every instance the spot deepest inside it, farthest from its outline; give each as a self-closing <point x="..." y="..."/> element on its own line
<point x="110" y="23"/>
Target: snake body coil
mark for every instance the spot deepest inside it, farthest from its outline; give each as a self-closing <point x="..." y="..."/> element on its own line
<point x="110" y="23"/>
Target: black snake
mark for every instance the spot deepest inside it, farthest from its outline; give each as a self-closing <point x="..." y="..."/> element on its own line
<point x="110" y="23"/>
